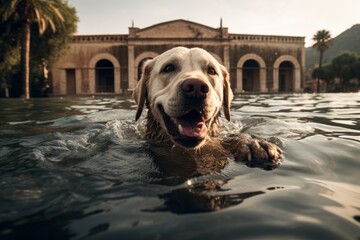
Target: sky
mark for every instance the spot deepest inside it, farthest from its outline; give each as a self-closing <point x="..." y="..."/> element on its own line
<point x="272" y="17"/>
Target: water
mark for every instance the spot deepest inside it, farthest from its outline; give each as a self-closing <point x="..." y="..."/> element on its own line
<point x="80" y="169"/>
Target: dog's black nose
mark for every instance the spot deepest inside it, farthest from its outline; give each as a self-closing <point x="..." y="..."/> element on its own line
<point x="195" y="88"/>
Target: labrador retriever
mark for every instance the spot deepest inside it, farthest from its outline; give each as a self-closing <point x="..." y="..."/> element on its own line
<point x="184" y="90"/>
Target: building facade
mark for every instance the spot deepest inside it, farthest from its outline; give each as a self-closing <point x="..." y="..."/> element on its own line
<point x="111" y="64"/>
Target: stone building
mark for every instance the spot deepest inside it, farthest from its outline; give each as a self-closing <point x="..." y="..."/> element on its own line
<point x="111" y="64"/>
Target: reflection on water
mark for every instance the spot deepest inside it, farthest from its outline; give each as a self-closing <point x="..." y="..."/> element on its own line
<point x="347" y="197"/>
<point x="79" y="168"/>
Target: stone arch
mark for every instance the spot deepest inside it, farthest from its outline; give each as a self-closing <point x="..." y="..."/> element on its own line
<point x="140" y="59"/>
<point x="296" y="75"/>
<point x="92" y="71"/>
<point x="262" y="72"/>
<point x="104" y="76"/>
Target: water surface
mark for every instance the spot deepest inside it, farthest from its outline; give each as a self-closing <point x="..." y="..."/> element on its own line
<point x="80" y="169"/>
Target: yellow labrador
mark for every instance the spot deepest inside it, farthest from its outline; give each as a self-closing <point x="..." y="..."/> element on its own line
<point x="184" y="90"/>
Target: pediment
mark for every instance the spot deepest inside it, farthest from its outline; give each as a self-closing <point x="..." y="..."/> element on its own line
<point x="178" y="29"/>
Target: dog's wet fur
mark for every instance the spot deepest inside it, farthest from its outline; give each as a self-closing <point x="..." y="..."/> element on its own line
<point x="185" y="90"/>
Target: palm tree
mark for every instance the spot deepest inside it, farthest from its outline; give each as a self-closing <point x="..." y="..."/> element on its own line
<point x="46" y="13"/>
<point x="322" y="41"/>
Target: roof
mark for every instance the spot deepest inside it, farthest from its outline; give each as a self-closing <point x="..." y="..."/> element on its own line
<point x="178" y="29"/>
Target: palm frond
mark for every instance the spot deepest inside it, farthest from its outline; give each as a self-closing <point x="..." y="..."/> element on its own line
<point x="8" y="8"/>
<point x="322" y="40"/>
<point x="48" y="14"/>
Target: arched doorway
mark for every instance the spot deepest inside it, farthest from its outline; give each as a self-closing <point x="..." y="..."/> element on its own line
<point x="251" y="76"/>
<point x="286" y="76"/>
<point x="104" y="76"/>
<point x="138" y="63"/>
<point x="140" y="67"/>
<point x="253" y="68"/>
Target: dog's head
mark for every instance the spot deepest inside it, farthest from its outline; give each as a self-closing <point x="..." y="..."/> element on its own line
<point x="185" y="90"/>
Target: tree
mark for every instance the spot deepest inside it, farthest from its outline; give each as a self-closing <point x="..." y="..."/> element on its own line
<point x="322" y="41"/>
<point x="346" y="67"/>
<point x="342" y="74"/>
<point x="45" y="13"/>
<point x="9" y="55"/>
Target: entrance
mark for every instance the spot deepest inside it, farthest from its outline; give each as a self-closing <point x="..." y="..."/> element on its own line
<point x="251" y="76"/>
<point x="70" y="81"/>
<point x="104" y="80"/>
<point x="286" y="76"/>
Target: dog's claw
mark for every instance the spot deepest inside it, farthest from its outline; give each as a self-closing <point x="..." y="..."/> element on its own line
<point x="257" y="152"/>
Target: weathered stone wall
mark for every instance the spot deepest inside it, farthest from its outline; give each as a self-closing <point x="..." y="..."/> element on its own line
<point x="126" y="53"/>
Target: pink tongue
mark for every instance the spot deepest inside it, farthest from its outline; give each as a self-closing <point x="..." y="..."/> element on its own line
<point x="191" y="125"/>
<point x="190" y="131"/>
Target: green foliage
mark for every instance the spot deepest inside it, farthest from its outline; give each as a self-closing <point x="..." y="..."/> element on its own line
<point x="52" y="24"/>
<point x="322" y="40"/>
<point x="48" y="48"/>
<point x="344" y="68"/>
<point x="347" y="41"/>
<point x="9" y="51"/>
<point x="318" y="73"/>
<point x="47" y="14"/>
<point x="52" y="44"/>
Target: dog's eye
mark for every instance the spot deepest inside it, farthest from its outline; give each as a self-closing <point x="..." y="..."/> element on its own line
<point x="168" y="68"/>
<point x="211" y="71"/>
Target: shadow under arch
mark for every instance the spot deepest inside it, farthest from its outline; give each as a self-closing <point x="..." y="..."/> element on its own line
<point x="92" y="71"/>
<point x="104" y="76"/>
<point x="294" y="76"/>
<point x="140" y="59"/>
<point x="261" y="72"/>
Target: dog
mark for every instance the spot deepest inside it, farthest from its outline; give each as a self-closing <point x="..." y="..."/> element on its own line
<point x="184" y="90"/>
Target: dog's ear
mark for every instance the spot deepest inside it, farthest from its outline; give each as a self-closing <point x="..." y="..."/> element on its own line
<point x="140" y="91"/>
<point x="228" y="94"/>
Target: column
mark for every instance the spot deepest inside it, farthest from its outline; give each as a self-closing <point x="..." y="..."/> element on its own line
<point x="131" y="67"/>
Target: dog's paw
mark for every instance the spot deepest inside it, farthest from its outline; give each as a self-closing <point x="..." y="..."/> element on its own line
<point x="257" y="152"/>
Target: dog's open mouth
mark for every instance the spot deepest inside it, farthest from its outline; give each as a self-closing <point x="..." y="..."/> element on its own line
<point x="188" y="130"/>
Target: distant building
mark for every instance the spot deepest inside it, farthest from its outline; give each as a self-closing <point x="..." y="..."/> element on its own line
<point x="103" y="64"/>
